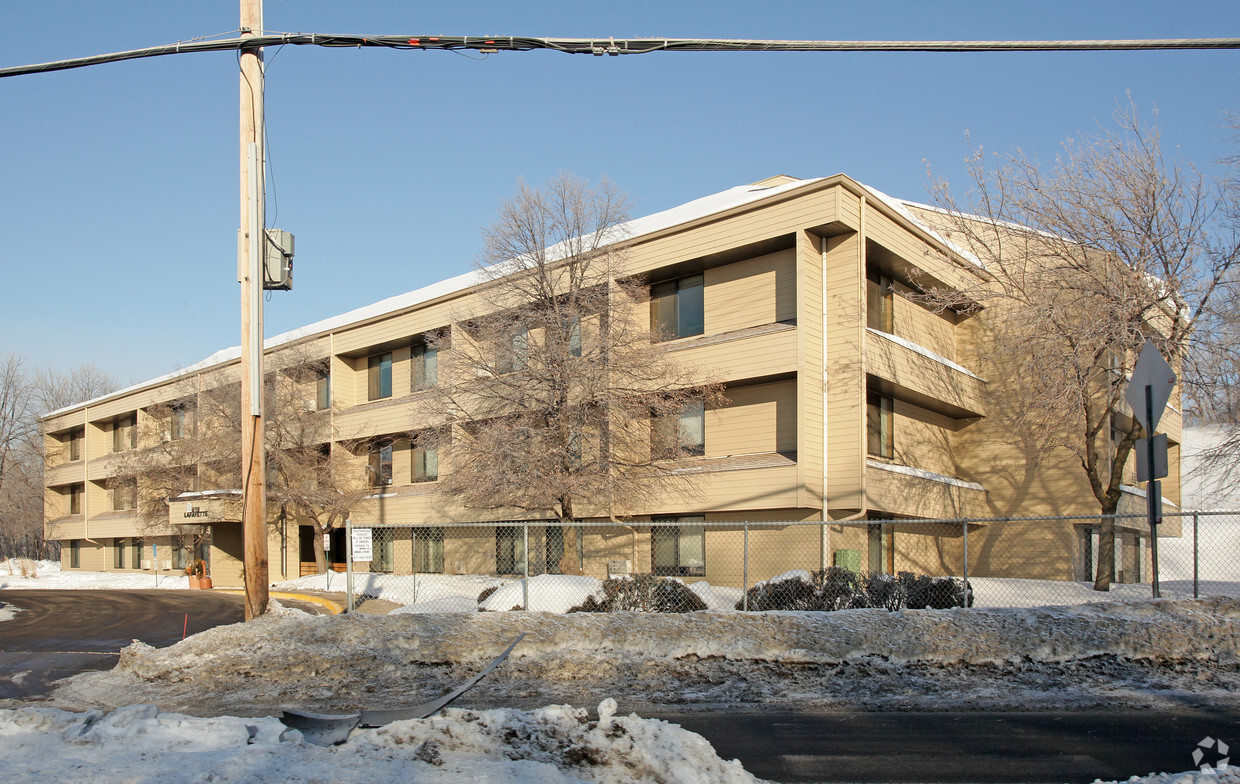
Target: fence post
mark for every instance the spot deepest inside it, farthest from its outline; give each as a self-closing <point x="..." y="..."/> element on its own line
<point x="525" y="580"/>
<point x="413" y="547"/>
<point x="745" y="570"/>
<point x="1195" y="551"/>
<point x="964" y="597"/>
<point x="348" y="558"/>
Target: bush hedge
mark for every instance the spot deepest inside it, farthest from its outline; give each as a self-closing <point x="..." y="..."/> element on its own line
<point x="643" y="593"/>
<point x="834" y="588"/>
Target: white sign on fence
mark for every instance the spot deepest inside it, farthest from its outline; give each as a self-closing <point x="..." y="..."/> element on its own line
<point x="362" y="545"/>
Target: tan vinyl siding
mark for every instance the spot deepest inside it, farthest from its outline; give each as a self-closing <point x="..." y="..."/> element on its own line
<point x="752" y="292"/>
<point x="845" y="376"/>
<point x="935" y="331"/>
<point x="911" y="370"/>
<point x="810" y="392"/>
<point x="760" y="418"/>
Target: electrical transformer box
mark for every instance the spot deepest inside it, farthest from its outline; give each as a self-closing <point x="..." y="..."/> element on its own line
<point x="278" y="261"/>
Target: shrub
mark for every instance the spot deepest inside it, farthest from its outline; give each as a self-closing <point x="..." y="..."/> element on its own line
<point x="834" y="588"/>
<point x="643" y="593"/>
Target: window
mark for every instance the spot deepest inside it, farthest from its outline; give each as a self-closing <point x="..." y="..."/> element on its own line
<point x="75" y="499"/>
<point x="379" y="376"/>
<point x="385" y="550"/>
<point x="180" y="553"/>
<point x="425" y="462"/>
<point x="878" y="301"/>
<point x="124" y="434"/>
<point x="517" y="353"/>
<point x="75" y="553"/>
<point x="683" y="434"/>
<point x="679" y="550"/>
<point x="381" y="464"/>
<point x="676" y="308"/>
<point x="428" y="549"/>
<point x="135" y="561"/>
<point x="118" y="553"/>
<point x="322" y="389"/>
<point x="509" y="550"/>
<point x="425" y="371"/>
<point x="75" y="444"/>
<point x="572" y="334"/>
<point x="880" y="548"/>
<point x="878" y="426"/>
<point x="182" y="424"/>
<point x="124" y="494"/>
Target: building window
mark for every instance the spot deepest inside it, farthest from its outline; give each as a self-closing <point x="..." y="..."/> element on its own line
<point x="572" y="336"/>
<point x="509" y="550"/>
<point x="75" y="499"/>
<point x="380" y="468"/>
<point x="322" y="389"/>
<point x="182" y="424"/>
<point x="75" y="553"/>
<point x="379" y="376"/>
<point x="425" y="371"/>
<point x="428" y="549"/>
<point x="135" y="560"/>
<point x="878" y="302"/>
<point x="879" y="439"/>
<point x="180" y="553"/>
<point x="124" y="434"/>
<point x="124" y="495"/>
<point x="75" y="444"/>
<point x="385" y="550"/>
<point x="516" y="355"/>
<point x="118" y="553"/>
<point x="681" y="434"/>
<point x="676" y="308"/>
<point x="425" y="462"/>
<point x="880" y="548"/>
<point x="678" y="550"/>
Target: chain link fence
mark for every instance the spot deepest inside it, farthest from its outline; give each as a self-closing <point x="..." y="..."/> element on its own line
<point x="688" y="563"/>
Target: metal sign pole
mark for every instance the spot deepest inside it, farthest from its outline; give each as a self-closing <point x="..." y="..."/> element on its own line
<point x="1153" y="502"/>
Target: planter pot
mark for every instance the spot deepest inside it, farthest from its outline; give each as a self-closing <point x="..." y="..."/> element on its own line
<point x="204" y="583"/>
<point x="194" y="581"/>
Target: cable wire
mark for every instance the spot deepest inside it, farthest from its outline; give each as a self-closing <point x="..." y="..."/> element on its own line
<point x="619" y="46"/>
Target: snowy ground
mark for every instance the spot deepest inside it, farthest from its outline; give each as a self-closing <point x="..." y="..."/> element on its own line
<point x="546" y="746"/>
<point x="177" y="708"/>
<point x="49" y="575"/>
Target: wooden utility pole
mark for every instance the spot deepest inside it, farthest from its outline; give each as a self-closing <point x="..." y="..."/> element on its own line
<point x="250" y="250"/>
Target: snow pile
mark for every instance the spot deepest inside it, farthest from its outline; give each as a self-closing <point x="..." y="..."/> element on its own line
<point x="545" y="746"/>
<point x="556" y="593"/>
<point x="851" y="659"/>
<point x="1228" y="775"/>
<point x="50" y="575"/>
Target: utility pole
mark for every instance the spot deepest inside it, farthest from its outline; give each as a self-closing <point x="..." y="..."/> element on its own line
<point x="250" y="250"/>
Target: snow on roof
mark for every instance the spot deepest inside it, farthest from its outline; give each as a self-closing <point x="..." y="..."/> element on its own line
<point x="634" y="229"/>
<point x="901" y="206"/>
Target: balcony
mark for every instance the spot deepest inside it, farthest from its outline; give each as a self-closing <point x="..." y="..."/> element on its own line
<point x="924" y="378"/>
<point x="911" y="492"/>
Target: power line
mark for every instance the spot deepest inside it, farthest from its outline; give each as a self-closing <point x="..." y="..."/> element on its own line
<point x="620" y="46"/>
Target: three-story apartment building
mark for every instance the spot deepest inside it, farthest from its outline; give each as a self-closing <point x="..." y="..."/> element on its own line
<point x="847" y="400"/>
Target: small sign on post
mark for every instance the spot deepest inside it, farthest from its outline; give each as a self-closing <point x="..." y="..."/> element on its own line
<point x="362" y="545"/>
<point x="327" y="541"/>
<point x="1148" y="393"/>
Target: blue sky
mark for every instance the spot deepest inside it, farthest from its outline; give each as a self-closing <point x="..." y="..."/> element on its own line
<point x="120" y="181"/>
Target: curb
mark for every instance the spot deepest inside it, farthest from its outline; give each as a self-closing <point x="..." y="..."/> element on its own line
<point x="334" y="608"/>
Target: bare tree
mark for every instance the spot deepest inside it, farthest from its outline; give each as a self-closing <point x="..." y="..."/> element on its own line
<point x="559" y="399"/>
<point x="1114" y="244"/>
<point x="308" y="476"/>
<point x="192" y="443"/>
<point x="24" y="397"/>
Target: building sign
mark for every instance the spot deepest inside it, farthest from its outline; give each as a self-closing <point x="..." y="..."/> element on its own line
<point x="192" y="511"/>
<point x="362" y="545"/>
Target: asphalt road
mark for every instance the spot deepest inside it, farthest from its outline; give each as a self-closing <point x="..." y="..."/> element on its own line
<point x="961" y="747"/>
<point x="61" y="633"/>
